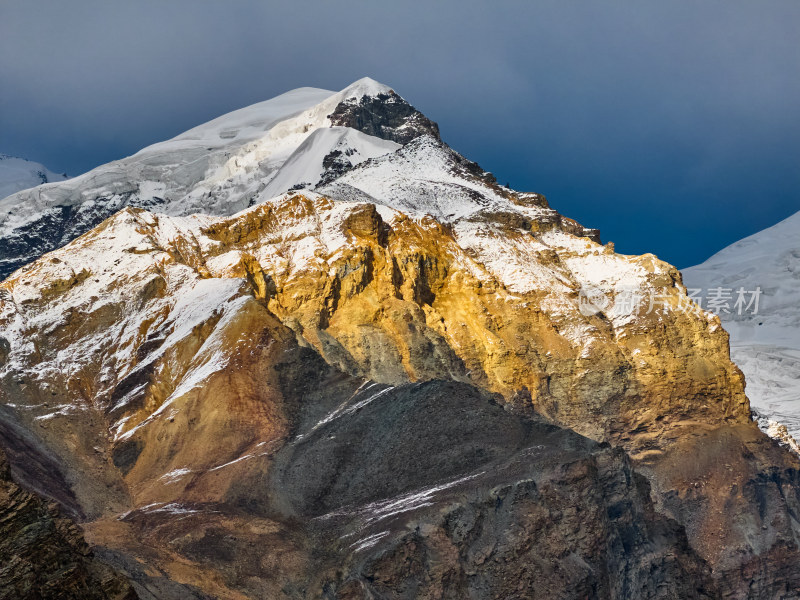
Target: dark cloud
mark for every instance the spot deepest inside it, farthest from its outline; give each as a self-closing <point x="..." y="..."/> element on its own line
<point x="672" y="126"/>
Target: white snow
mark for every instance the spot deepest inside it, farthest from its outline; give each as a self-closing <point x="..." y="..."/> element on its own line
<point x="175" y="475"/>
<point x="232" y="462"/>
<point x="172" y="508"/>
<point x="765" y="345"/>
<point x="247" y="123"/>
<point x="375" y="512"/>
<point x="346" y="408"/>
<point x="368" y="541"/>
<point x="304" y="165"/>
<point x="20" y="174"/>
<point x="219" y="167"/>
<point x="380" y="510"/>
<point x="197" y="302"/>
<point x="365" y="86"/>
<point x="418" y="178"/>
<point x="513" y="261"/>
<point x="315" y="234"/>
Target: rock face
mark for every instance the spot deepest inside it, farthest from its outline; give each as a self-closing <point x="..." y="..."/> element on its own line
<point x="43" y="554"/>
<point x="385" y="115"/>
<point x="406" y="382"/>
<point x="515" y="506"/>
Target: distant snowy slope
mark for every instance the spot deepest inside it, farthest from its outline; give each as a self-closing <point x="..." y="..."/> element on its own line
<point x="19" y="174"/>
<point x="765" y="344"/>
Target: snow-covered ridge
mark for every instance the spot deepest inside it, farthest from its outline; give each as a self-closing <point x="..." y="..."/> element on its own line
<point x="219" y="168"/>
<point x="246" y="123"/>
<point x="306" y="165"/>
<point x="18" y="174"/>
<point x="765" y="343"/>
<point x="208" y="169"/>
<point x="254" y="155"/>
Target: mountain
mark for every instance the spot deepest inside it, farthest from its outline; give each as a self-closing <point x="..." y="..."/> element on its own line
<point x="19" y="174"/>
<point x="330" y="357"/>
<point x="765" y="339"/>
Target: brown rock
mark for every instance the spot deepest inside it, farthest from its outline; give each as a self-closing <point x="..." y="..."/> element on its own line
<point x="43" y="554"/>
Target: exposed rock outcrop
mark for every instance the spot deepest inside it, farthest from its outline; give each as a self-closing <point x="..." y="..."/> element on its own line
<point x="43" y="554"/>
<point x="374" y="499"/>
<point x="385" y="115"/>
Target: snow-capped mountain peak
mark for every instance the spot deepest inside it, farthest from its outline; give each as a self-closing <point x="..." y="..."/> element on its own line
<point x="301" y="138"/>
<point x="366" y="86"/>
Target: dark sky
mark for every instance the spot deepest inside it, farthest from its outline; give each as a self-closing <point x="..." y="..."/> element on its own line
<point x="673" y="126"/>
